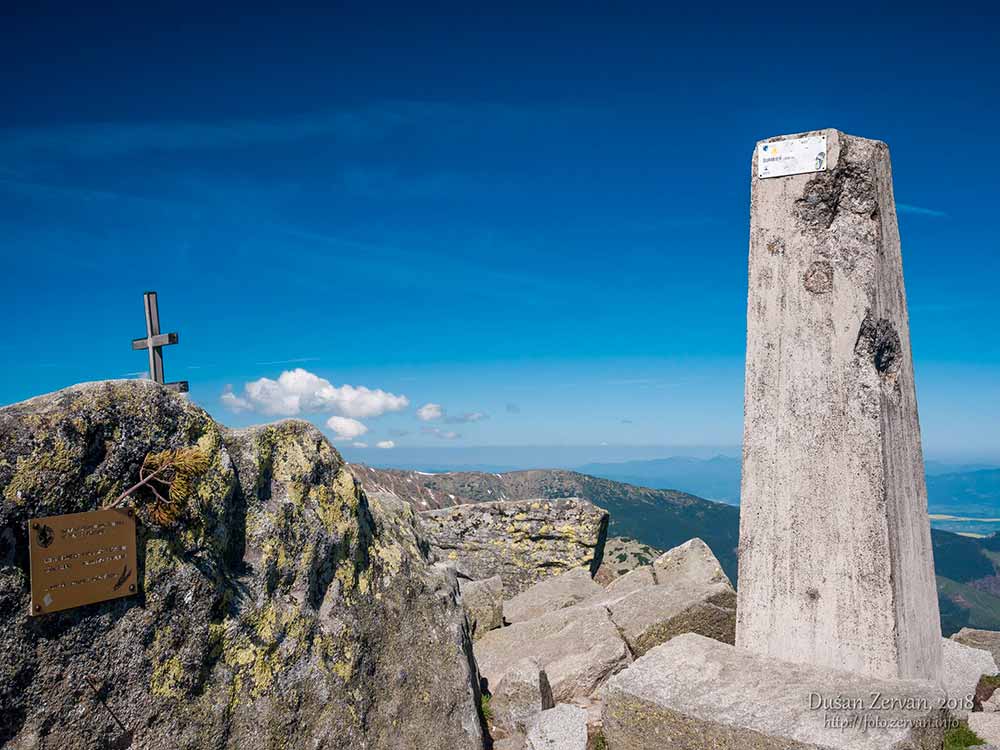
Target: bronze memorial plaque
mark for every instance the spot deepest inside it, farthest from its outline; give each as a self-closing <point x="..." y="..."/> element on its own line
<point x="81" y="558"/>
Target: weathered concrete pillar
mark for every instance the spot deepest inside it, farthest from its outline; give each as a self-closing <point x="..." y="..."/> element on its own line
<point x="836" y="567"/>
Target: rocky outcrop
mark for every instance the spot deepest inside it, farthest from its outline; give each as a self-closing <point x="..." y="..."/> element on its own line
<point x="483" y="602"/>
<point x="578" y="648"/>
<point x="684" y="590"/>
<point x="693" y="693"/>
<point x="521" y="541"/>
<point x="581" y="633"/>
<point x="557" y="592"/>
<point x="621" y="555"/>
<point x="283" y="608"/>
<point x="964" y="666"/>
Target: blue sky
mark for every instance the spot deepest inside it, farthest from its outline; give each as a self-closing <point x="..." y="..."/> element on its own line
<point x="534" y="219"/>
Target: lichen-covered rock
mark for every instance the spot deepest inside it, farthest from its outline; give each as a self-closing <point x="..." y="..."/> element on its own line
<point x="285" y="608"/>
<point x="621" y="555"/>
<point x="522" y="541"/>
<point x="550" y="594"/>
<point x="483" y="602"/>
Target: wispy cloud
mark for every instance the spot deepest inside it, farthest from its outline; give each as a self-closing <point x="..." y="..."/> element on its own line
<point x="439" y="433"/>
<point x="297" y="360"/>
<point x="906" y="208"/>
<point x="124" y="138"/>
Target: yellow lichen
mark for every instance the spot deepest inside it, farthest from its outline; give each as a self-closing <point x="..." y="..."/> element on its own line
<point x="166" y="680"/>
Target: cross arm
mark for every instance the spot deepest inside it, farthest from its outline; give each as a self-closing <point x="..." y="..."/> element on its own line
<point x="160" y="339"/>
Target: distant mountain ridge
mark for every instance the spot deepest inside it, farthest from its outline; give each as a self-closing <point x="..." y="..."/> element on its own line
<point x="968" y="570"/>
<point x="660" y="518"/>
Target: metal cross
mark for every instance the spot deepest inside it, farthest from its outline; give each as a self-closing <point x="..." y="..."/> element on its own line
<point x="154" y="343"/>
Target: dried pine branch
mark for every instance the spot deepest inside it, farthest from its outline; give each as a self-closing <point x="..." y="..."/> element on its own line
<point x="168" y="476"/>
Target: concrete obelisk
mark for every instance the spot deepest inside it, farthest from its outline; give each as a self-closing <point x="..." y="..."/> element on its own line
<point x="836" y="566"/>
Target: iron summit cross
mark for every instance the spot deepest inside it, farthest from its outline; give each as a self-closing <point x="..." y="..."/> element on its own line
<point x="154" y="342"/>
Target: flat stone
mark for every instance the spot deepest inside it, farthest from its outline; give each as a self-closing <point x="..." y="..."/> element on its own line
<point x="550" y="594"/>
<point x="963" y="667"/>
<point x="514" y="742"/>
<point x="483" y="601"/>
<point x="651" y="616"/>
<point x="520" y="695"/>
<point x="693" y="693"/>
<point x="561" y="728"/>
<point x="988" y="640"/>
<point x="987" y="726"/>
<point x="577" y="647"/>
<point x="689" y="563"/>
<point x="831" y="413"/>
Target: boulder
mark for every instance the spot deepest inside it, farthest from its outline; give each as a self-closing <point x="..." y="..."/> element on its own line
<point x="693" y="693"/>
<point x="561" y="728"/>
<point x="577" y="647"/>
<point x="514" y="742"/>
<point x="550" y="594"/>
<point x="653" y="615"/>
<point x="621" y="555"/>
<point x="987" y="640"/>
<point x="963" y="668"/>
<point x="634" y="580"/>
<point x="689" y="563"/>
<point x="520" y="695"/>
<point x="522" y="541"/>
<point x="483" y="602"/>
<point x="282" y="607"/>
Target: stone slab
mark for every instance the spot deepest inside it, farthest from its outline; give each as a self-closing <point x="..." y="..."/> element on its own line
<point x="577" y="647"/>
<point x="988" y="640"/>
<point x="561" y="728"/>
<point x="483" y="601"/>
<point x="550" y="594"/>
<point x="651" y="616"/>
<point x="693" y="693"/>
<point x="963" y="668"/>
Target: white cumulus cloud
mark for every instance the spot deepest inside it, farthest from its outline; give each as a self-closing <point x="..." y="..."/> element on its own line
<point x="430" y="412"/>
<point x="233" y="402"/>
<point x="300" y="391"/>
<point x="346" y="428"/>
<point x="385" y="444"/>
